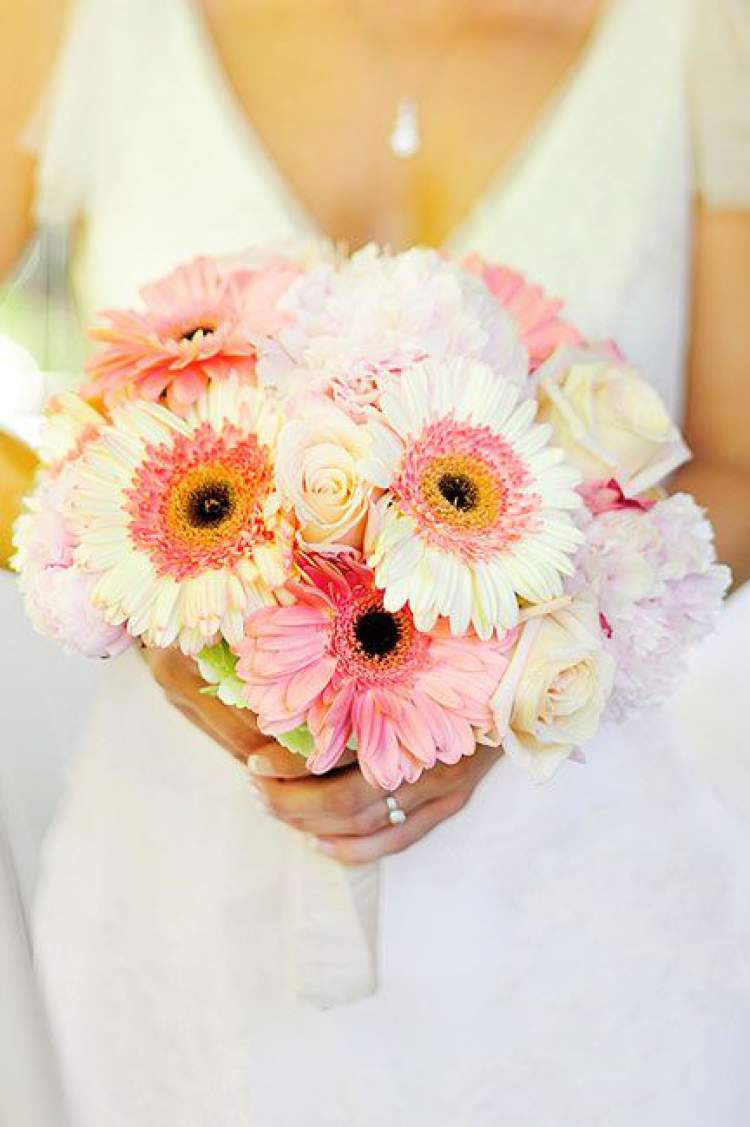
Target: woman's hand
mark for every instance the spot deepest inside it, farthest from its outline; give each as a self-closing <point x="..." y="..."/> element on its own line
<point x="347" y="817"/>
<point x="234" y="728"/>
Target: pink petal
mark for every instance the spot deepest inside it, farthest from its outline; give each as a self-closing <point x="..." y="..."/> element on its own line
<point x="416" y="735"/>
<point x="308" y="683"/>
<point x="461" y="740"/>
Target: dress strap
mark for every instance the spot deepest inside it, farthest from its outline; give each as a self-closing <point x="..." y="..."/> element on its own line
<point x="76" y="122"/>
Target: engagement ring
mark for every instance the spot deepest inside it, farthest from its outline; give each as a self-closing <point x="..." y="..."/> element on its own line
<point x="396" y="816"/>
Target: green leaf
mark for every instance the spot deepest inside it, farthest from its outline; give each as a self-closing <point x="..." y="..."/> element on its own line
<point x="217" y="665"/>
<point x="297" y="740"/>
<point x="219" y="659"/>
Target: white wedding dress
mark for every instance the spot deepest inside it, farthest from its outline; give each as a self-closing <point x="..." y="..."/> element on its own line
<point x="567" y="956"/>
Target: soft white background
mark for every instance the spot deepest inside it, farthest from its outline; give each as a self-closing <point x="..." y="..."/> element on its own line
<point x="43" y="696"/>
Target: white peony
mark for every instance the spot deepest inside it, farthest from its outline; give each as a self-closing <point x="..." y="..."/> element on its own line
<point x="354" y="327"/>
<point x="659" y="588"/>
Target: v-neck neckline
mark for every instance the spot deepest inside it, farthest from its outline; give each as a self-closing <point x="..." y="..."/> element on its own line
<point x="257" y="153"/>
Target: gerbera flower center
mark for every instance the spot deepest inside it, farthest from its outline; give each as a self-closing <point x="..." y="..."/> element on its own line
<point x="198" y="503"/>
<point x="377" y="633"/>
<point x="210" y="504"/>
<point x="466" y="488"/>
<point x="374" y="646"/>
<point x="191" y="334"/>
<point x="204" y="507"/>
<point x="461" y="492"/>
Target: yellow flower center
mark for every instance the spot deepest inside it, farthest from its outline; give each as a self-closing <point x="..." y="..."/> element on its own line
<point x="207" y="506"/>
<point x="461" y="491"/>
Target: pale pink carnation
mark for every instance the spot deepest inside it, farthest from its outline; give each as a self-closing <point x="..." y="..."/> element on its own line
<point x="355" y="326"/>
<point x="199" y="323"/>
<point x="659" y="588"/>
<point x="57" y="595"/>
<point x="337" y="661"/>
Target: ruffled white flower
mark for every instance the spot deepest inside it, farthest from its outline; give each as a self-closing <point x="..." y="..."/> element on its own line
<point x="353" y="328"/>
<point x="57" y="594"/>
<point x="476" y="512"/>
<point x="659" y="588"/>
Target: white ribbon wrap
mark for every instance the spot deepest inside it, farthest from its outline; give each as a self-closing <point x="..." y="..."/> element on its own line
<point x="332" y="926"/>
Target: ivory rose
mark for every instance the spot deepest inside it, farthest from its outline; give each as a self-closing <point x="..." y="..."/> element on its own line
<point x="552" y="696"/>
<point x="317" y="474"/>
<point x="609" y="420"/>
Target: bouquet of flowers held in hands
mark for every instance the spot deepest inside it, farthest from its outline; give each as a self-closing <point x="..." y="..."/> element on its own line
<point x="390" y="503"/>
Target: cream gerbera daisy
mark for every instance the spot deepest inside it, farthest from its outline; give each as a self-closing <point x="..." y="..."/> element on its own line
<point x="475" y="513"/>
<point x="181" y="518"/>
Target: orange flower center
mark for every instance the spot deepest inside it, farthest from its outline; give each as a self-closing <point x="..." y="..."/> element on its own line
<point x="461" y="491"/>
<point x="197" y="503"/>
<point x="208" y="506"/>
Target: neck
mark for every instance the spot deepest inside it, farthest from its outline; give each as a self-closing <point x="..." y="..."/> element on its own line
<point x="432" y="18"/>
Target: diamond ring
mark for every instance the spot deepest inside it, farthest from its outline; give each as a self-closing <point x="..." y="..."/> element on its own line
<point x="396" y="816"/>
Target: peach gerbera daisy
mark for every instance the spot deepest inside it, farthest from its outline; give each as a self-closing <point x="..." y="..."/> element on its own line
<point x="535" y="313"/>
<point x="341" y="663"/>
<point x="199" y="323"/>
<point x="180" y="517"/>
<point x="475" y="510"/>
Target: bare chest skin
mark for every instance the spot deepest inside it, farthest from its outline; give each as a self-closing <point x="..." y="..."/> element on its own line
<point x="320" y="85"/>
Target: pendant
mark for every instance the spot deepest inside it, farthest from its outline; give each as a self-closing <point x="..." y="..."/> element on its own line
<point x="405" y="139"/>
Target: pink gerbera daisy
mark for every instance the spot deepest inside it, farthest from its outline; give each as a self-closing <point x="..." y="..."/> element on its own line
<point x="535" y="313"/>
<point x="339" y="662"/>
<point x="199" y="323"/>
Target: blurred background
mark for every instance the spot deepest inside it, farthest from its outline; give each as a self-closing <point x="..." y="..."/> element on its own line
<point x="39" y="323"/>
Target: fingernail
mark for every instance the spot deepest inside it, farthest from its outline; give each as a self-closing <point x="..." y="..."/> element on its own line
<point x="260" y="765"/>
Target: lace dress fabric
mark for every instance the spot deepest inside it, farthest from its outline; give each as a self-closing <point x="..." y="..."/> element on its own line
<point x="574" y="954"/>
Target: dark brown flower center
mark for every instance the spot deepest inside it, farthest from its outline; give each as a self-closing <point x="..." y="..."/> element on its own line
<point x="377" y="632"/>
<point x="459" y="491"/>
<point x="209" y="505"/>
<point x="192" y="333"/>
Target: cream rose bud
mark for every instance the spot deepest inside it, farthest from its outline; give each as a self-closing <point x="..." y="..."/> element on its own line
<point x="316" y="471"/>
<point x="609" y="420"/>
<point x="553" y="693"/>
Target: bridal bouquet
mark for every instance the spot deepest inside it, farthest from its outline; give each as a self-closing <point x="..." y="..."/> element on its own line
<point x="391" y="503"/>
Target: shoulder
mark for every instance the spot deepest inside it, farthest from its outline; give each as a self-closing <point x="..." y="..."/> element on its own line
<point x="32" y="35"/>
